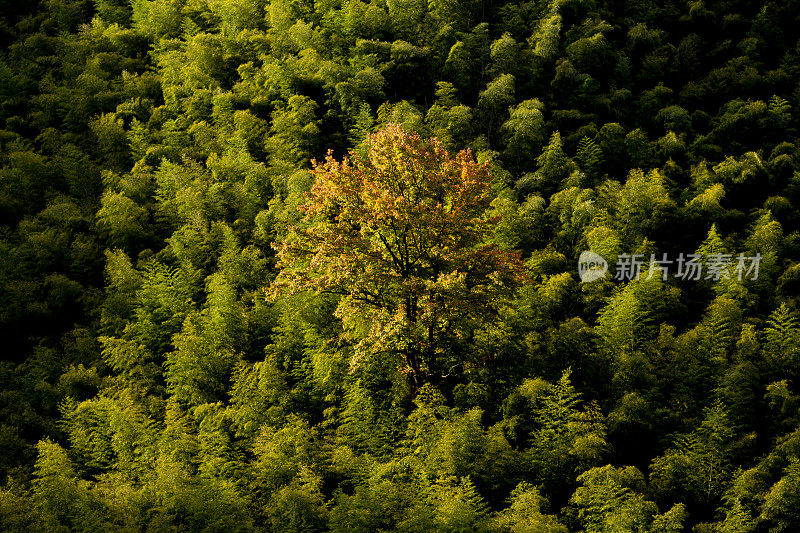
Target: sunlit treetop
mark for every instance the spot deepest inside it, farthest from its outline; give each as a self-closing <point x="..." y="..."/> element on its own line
<point x="401" y="233"/>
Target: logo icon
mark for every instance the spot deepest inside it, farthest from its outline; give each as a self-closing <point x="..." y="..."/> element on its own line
<point x="591" y="266"/>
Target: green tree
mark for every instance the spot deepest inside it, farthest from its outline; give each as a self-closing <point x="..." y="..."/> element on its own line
<point x="523" y="132"/>
<point x="699" y="463"/>
<point x="524" y="514"/>
<point x="610" y="499"/>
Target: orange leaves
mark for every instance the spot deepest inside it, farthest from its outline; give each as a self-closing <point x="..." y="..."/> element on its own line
<point x="401" y="234"/>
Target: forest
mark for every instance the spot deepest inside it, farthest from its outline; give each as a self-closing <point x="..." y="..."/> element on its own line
<point x="321" y="265"/>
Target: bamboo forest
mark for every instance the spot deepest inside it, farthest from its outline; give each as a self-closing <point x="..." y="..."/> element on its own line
<point x="507" y="266"/>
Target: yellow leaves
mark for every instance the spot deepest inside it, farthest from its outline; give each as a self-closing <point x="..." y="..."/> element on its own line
<point x="709" y="199"/>
<point x="644" y="190"/>
<point x="400" y="233"/>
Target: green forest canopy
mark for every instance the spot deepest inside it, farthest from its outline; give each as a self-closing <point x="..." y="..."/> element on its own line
<point x="202" y="330"/>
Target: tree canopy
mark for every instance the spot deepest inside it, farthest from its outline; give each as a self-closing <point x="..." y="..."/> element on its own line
<point x="401" y="233"/>
<point x="285" y="266"/>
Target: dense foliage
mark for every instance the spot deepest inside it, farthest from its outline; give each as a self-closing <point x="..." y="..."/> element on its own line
<point x="202" y="330"/>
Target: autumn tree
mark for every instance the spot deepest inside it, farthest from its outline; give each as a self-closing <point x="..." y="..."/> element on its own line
<point x="401" y="233"/>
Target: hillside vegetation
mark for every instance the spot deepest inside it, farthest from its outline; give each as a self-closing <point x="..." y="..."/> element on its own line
<point x="201" y="329"/>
